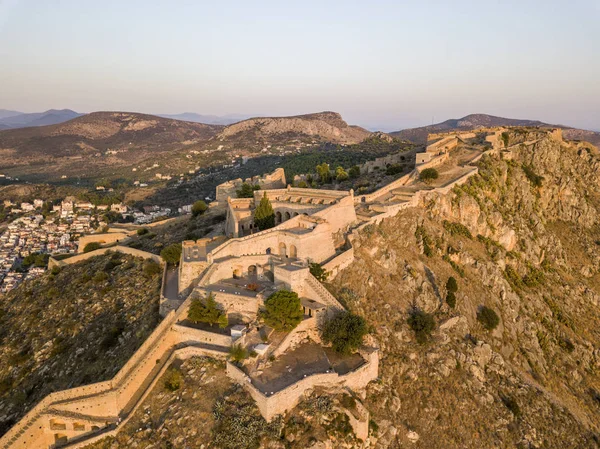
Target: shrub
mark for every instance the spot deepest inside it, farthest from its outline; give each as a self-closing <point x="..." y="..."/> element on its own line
<point x="511" y="404"/>
<point x="238" y="353"/>
<point x="264" y="215"/>
<point x="199" y="207"/>
<point x="354" y="172"/>
<point x="457" y="229"/>
<point x="488" y="318"/>
<point x="282" y="310"/>
<point x="245" y="191"/>
<point x="534" y="179"/>
<point x="421" y="234"/>
<point x="142" y="231"/>
<point x="173" y="379"/>
<point x="171" y="254"/>
<point x="318" y="272"/>
<point x="55" y="270"/>
<point x="428" y="175"/>
<point x="422" y="324"/>
<point x="207" y="311"/>
<point x="100" y="276"/>
<point x="452" y="285"/>
<point x="341" y="174"/>
<point x="394" y="169"/>
<point x="345" y="332"/>
<point x="92" y="246"/>
<point x="151" y="268"/>
<point x="505" y="137"/>
<point x="451" y="299"/>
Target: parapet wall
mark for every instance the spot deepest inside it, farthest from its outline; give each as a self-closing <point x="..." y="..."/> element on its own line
<point x="273" y="180"/>
<point x="121" y="249"/>
<point x="103" y="239"/>
<point x="339" y="262"/>
<point x="286" y="399"/>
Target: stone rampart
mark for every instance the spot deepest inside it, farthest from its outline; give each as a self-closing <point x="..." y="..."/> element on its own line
<point x="103" y="239"/>
<point x="286" y="399"/>
<point x="98" y="252"/>
<point x="185" y="334"/>
<point x="370" y="197"/>
<point x="339" y="262"/>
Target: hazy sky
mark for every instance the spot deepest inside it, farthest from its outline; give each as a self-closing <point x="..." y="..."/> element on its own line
<point x="391" y="64"/>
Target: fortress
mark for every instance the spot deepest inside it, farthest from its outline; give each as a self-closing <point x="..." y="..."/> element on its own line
<point x="240" y="270"/>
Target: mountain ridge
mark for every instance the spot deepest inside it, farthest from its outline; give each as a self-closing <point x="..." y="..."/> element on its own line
<point x="474" y="121"/>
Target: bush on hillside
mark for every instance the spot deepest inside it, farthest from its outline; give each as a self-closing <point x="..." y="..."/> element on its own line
<point x="428" y="175"/>
<point x="198" y="208"/>
<point x="238" y="353"/>
<point x="171" y="254"/>
<point x="488" y="318"/>
<point x="151" y="268"/>
<point x="142" y="231"/>
<point x="282" y="310"/>
<point x="422" y="324"/>
<point x="92" y="246"/>
<point x="173" y="379"/>
<point x="345" y="332"/>
<point x="451" y="288"/>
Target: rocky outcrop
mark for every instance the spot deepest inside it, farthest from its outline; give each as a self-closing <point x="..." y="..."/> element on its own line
<point x="328" y="126"/>
<point x="521" y="238"/>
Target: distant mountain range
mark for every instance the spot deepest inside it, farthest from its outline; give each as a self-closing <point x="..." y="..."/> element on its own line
<point x="207" y="119"/>
<point x="474" y="121"/>
<point x="15" y="119"/>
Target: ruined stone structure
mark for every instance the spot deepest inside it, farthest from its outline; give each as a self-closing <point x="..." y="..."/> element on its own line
<point x="273" y="180"/>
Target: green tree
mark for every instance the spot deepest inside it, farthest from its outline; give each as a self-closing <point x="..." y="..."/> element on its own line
<point x="264" y="215"/>
<point x="354" y="172"/>
<point x="345" y="332"/>
<point x="207" y="311"/>
<point x="318" y="271"/>
<point x="92" y="246"/>
<point x="488" y="318"/>
<point x="282" y="310"/>
<point x="452" y="288"/>
<point x="172" y="253"/>
<point x="340" y="174"/>
<point x="422" y="323"/>
<point x="428" y="175"/>
<point x="247" y="190"/>
<point x="198" y="208"/>
<point x="238" y="353"/>
<point x="324" y="172"/>
<point x="151" y="268"/>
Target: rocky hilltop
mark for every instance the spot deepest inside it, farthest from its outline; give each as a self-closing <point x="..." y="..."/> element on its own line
<point x="475" y="121"/>
<point x="326" y="126"/>
<point x="521" y="238"/>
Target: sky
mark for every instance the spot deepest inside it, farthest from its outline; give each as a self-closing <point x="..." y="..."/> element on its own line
<point x="381" y="64"/>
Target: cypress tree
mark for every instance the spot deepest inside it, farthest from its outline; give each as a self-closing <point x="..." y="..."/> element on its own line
<point x="264" y="216"/>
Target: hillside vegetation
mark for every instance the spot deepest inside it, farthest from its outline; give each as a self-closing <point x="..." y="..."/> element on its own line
<point x="72" y="327"/>
<point x="516" y="362"/>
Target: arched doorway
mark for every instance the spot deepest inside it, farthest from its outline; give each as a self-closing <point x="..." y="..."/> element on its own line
<point x="286" y="216"/>
<point x="268" y="251"/>
<point x="293" y="251"/>
<point x="282" y="250"/>
<point x="277" y="217"/>
<point x="296" y="214"/>
<point x="252" y="273"/>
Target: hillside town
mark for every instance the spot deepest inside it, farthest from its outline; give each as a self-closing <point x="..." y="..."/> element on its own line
<point x="40" y="228"/>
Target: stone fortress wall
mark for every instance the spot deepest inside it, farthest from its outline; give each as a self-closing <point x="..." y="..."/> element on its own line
<point x="273" y="180"/>
<point x="82" y="415"/>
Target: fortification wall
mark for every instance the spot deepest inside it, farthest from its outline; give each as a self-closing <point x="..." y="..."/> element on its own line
<point x="189" y="335"/>
<point x="339" y="262"/>
<point x="286" y="399"/>
<point x="273" y="180"/>
<point x="121" y="249"/>
<point x="316" y="243"/>
<point x="238" y="307"/>
<point x="434" y="162"/>
<point x="340" y="215"/>
<point x="369" y="198"/>
<point x="103" y="239"/>
<point x="308" y="327"/>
